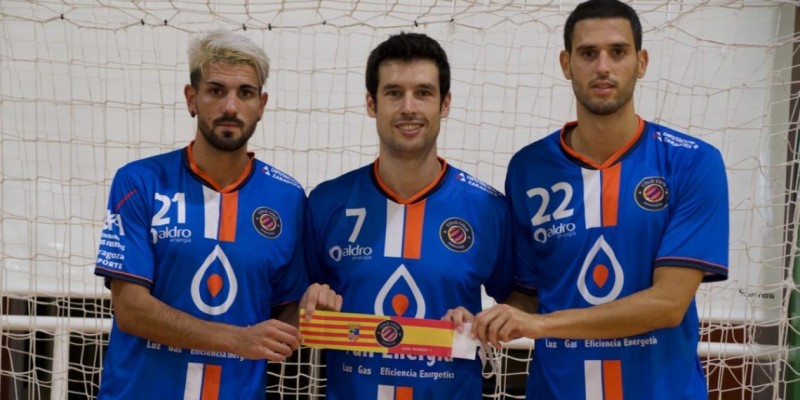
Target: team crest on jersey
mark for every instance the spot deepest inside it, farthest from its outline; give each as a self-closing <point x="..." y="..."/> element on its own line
<point x="456" y="234"/>
<point x="267" y="222"/>
<point x="652" y="193"/>
<point x="389" y="333"/>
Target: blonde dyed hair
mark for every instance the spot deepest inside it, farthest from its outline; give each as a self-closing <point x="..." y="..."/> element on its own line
<point x="225" y="46"/>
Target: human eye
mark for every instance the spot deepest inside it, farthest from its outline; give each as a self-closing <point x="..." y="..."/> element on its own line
<point x="248" y="93"/>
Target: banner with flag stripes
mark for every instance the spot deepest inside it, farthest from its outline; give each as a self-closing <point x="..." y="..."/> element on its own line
<point x="379" y="334"/>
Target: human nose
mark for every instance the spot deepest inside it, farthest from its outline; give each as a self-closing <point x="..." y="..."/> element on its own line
<point x="603" y="63"/>
<point x="408" y="105"/>
<point x="231" y="104"/>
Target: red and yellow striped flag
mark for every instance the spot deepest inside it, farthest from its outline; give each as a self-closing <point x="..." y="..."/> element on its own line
<point x="379" y="334"/>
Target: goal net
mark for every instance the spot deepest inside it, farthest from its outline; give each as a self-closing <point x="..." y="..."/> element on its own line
<point x="89" y="85"/>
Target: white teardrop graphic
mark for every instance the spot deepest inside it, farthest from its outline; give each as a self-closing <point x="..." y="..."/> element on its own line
<point x="400" y="272"/>
<point x="197" y="282"/>
<point x="618" y="277"/>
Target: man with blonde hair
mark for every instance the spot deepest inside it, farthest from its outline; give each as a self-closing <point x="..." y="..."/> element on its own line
<point x="201" y="250"/>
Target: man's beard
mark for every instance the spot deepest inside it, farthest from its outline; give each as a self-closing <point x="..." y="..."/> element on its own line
<point x="606" y="107"/>
<point x="222" y="143"/>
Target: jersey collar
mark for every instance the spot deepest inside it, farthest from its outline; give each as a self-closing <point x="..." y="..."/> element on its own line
<point x="194" y="170"/>
<point x="615" y="158"/>
<point x="422" y="194"/>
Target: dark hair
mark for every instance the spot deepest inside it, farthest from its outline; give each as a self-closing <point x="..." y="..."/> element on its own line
<point x="603" y="9"/>
<point x="408" y="47"/>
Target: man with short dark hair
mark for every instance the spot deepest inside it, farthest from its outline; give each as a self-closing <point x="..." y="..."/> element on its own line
<point x="618" y="220"/>
<point x="408" y="235"/>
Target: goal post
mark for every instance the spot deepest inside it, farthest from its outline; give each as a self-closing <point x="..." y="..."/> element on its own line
<point x="793" y="344"/>
<point x="87" y="86"/>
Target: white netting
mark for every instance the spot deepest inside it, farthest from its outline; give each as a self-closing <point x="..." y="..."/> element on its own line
<point x="88" y="85"/>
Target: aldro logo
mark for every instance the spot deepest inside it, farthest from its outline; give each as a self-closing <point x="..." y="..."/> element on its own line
<point x="356" y="252"/>
<point x="563" y="229"/>
<point x="173" y="233"/>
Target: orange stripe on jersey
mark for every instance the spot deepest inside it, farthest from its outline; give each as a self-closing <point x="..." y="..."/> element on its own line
<point x="405" y="393"/>
<point x="412" y="237"/>
<point x="394" y="196"/>
<point x="211" y="379"/>
<point x="624" y="149"/>
<point x="227" y="225"/>
<point x="611" y="176"/>
<point x="612" y="379"/>
<point x="245" y="173"/>
<point x="610" y="160"/>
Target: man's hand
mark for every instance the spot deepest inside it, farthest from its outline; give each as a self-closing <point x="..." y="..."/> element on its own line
<point x="459" y="316"/>
<point x="504" y="323"/>
<point x="320" y="297"/>
<point x="272" y="339"/>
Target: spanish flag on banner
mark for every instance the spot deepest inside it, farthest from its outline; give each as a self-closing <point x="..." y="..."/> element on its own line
<point x="381" y="334"/>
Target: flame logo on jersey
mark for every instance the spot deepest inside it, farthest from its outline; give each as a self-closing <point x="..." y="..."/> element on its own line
<point x="595" y="276"/>
<point x="210" y="285"/>
<point x="399" y="301"/>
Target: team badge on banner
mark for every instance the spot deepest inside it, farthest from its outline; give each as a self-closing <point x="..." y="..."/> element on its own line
<point x="381" y="334"/>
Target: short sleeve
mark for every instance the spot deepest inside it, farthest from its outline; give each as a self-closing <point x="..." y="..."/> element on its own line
<point x="698" y="231"/>
<point x="125" y="251"/>
<point x="291" y="280"/>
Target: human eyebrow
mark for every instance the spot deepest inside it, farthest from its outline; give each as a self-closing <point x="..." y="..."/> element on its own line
<point x="214" y="83"/>
<point x="248" y="87"/>
<point x="426" y="86"/>
<point x="389" y="86"/>
<point x="585" y="47"/>
<point x="621" y="45"/>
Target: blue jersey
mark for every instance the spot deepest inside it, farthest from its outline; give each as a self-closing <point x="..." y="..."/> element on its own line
<point x="417" y="259"/>
<point x="220" y="254"/>
<point x="589" y="234"/>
